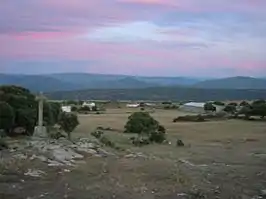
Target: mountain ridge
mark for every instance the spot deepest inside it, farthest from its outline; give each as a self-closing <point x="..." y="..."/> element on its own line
<point x="238" y="82"/>
<point x="79" y="81"/>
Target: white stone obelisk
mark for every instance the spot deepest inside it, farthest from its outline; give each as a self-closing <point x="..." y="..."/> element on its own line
<point x="40" y="130"/>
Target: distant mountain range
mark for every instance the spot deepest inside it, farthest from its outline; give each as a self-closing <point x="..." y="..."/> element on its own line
<point x="159" y="94"/>
<point x="81" y="81"/>
<point x="233" y="83"/>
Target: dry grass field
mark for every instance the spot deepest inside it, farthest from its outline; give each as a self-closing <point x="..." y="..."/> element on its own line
<point x="220" y="159"/>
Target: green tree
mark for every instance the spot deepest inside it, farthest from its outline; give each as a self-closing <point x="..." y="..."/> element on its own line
<point x="258" y="102"/>
<point x="24" y="105"/>
<point x="68" y="122"/>
<point x="209" y="107"/>
<point x="51" y="112"/>
<point x="244" y="103"/>
<point x="254" y="110"/>
<point x="143" y="124"/>
<point x="7" y="117"/>
<point x="233" y="104"/>
<point x="230" y="109"/>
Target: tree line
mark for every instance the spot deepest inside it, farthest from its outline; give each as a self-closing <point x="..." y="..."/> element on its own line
<point x="19" y="108"/>
<point x="255" y="108"/>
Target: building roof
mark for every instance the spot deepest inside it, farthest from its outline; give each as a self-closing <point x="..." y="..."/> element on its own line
<point x="195" y="104"/>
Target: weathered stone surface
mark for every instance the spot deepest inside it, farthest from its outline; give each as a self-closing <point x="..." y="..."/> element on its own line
<point x="40" y="131"/>
<point x="34" y="173"/>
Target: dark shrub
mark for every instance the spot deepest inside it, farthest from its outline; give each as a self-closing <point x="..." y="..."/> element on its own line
<point x="94" y="108"/>
<point x="218" y="103"/>
<point x="97" y="134"/>
<point x="104" y="140"/>
<point x="146" y="127"/>
<point x="233" y="104"/>
<point x="68" y="122"/>
<point x="74" y="108"/>
<point x="7" y="117"/>
<point x="230" y="109"/>
<point x="3" y="144"/>
<point x="141" y="122"/>
<point x="84" y="109"/>
<point x="244" y="103"/>
<point x="140" y="141"/>
<point x="209" y="107"/>
<point x="179" y="143"/>
<point x="190" y="118"/>
<point x="56" y="135"/>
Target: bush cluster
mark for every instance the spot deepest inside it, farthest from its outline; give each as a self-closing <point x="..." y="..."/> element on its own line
<point x="146" y="127"/>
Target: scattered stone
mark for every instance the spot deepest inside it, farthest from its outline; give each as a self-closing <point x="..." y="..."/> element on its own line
<point x="66" y="170"/>
<point x="65" y="155"/>
<point x="52" y="163"/>
<point x="135" y="155"/>
<point x="34" y="173"/>
<point x="20" y="156"/>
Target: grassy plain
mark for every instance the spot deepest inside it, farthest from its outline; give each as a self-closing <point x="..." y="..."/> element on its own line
<point x="221" y="159"/>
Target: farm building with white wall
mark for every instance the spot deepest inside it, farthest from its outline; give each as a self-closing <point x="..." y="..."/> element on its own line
<point x="66" y="109"/>
<point x="133" y="105"/>
<point x="88" y="104"/>
<point x="193" y="107"/>
<point x="198" y="107"/>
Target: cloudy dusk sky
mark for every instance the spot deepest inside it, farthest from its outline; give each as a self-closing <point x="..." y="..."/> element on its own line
<point x="215" y="38"/>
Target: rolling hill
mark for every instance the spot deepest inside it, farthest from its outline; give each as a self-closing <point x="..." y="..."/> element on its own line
<point x="37" y="83"/>
<point x="77" y="81"/>
<point x="160" y="93"/>
<point x="233" y="83"/>
<point x="81" y="81"/>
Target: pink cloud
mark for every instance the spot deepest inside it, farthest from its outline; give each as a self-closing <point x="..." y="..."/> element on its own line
<point x="55" y="29"/>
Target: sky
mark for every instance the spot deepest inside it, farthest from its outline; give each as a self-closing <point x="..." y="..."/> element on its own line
<point x="200" y="38"/>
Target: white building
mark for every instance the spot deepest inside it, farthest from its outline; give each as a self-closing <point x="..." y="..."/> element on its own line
<point x="193" y="107"/>
<point x="66" y="109"/>
<point x="132" y="105"/>
<point x="88" y="104"/>
<point x="198" y="107"/>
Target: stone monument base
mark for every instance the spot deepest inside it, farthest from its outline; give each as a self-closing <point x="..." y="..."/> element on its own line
<point x="40" y="131"/>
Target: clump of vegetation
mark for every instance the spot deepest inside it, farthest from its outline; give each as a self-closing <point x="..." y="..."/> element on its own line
<point x="24" y="108"/>
<point x="233" y="104"/>
<point x="18" y="109"/>
<point x="105" y="128"/>
<point x="179" y="143"/>
<point x="230" y="109"/>
<point x="218" y="103"/>
<point x="257" y="108"/>
<point x="190" y="118"/>
<point x="209" y="107"/>
<point x="140" y="141"/>
<point x="68" y="122"/>
<point x="171" y="106"/>
<point x="104" y="140"/>
<point x="3" y="144"/>
<point x="244" y="103"/>
<point x="55" y="133"/>
<point x="74" y="108"/>
<point x="146" y="127"/>
<point x="84" y="109"/>
<point x="97" y="134"/>
<point x="7" y="116"/>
